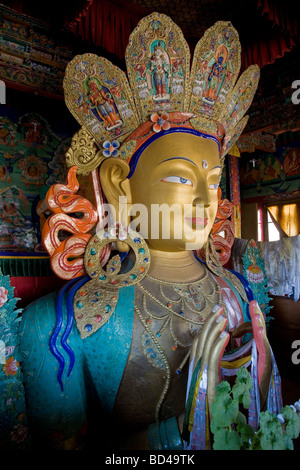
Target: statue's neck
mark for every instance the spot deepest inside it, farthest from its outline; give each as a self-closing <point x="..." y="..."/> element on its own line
<point x="179" y="266"/>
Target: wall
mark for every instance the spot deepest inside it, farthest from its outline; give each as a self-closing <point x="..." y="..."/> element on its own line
<point x="269" y="178"/>
<point x="35" y="132"/>
<point x="249" y="221"/>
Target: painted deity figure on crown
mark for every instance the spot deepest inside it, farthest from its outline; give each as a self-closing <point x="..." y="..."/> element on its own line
<point x="158" y="71"/>
<point x="103" y="104"/>
<point x="112" y="357"/>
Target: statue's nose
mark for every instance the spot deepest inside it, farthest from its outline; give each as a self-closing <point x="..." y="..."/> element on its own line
<point x="202" y="197"/>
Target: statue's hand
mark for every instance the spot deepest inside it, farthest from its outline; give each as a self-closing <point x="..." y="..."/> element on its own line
<point x="257" y="327"/>
<point x="263" y="350"/>
<point x="209" y="345"/>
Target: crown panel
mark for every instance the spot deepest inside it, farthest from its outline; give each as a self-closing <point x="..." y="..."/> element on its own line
<point x="240" y="98"/>
<point x="233" y="136"/>
<point x="216" y="65"/>
<point x="158" y="66"/>
<point x="98" y="95"/>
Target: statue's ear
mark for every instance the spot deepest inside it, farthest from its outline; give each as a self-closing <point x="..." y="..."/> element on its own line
<point x="114" y="182"/>
<point x="113" y="177"/>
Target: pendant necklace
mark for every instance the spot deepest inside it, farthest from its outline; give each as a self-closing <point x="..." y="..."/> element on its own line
<point x="178" y="302"/>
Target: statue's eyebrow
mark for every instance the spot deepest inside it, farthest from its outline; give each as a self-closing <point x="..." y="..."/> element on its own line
<point x="178" y="158"/>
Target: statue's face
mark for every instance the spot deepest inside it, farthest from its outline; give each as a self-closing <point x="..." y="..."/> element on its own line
<point x="182" y="171"/>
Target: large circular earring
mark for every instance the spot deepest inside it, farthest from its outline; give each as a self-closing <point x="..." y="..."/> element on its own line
<point x="110" y="276"/>
<point x="95" y="302"/>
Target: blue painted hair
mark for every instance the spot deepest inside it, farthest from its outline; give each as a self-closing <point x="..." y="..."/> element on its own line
<point x="70" y="288"/>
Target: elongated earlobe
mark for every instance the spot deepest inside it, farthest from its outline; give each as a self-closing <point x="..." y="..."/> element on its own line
<point x="116" y="187"/>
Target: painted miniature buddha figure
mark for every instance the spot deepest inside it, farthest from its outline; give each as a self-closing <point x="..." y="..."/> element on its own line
<point x="117" y="347"/>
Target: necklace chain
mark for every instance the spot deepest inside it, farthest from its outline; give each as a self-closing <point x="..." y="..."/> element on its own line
<point x="188" y="294"/>
<point x="165" y="363"/>
<point x="168" y="308"/>
<point x="170" y="283"/>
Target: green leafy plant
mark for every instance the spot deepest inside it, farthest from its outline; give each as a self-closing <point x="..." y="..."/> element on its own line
<point x="229" y="424"/>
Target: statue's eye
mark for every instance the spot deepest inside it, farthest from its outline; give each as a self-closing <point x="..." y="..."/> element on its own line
<point x="177" y="179"/>
<point x="213" y="186"/>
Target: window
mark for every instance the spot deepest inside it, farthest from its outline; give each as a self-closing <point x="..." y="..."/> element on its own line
<point x="260" y="224"/>
<point x="273" y="232"/>
<point x="287" y="217"/>
<point x="278" y="221"/>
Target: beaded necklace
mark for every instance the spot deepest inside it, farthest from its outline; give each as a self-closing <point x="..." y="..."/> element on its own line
<point x="158" y="314"/>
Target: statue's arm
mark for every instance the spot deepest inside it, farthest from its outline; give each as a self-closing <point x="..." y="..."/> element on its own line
<point x="55" y="416"/>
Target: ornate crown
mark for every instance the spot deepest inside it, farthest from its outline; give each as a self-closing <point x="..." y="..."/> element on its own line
<point x="162" y="91"/>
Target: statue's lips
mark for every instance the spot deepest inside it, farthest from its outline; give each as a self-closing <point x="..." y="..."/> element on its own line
<point x="197" y="221"/>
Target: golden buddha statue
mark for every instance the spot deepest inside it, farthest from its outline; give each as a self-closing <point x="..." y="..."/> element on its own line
<point x="149" y="314"/>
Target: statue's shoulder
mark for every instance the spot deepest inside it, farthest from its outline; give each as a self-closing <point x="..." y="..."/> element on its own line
<point x="37" y="323"/>
<point x="240" y="284"/>
<point x="41" y="310"/>
<point x="87" y="305"/>
<point x="233" y="280"/>
<point x="95" y="306"/>
<point x="43" y="315"/>
<point x="236" y="293"/>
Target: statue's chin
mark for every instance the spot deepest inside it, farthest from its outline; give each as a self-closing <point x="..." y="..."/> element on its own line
<point x="176" y="246"/>
<point x="188" y="243"/>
